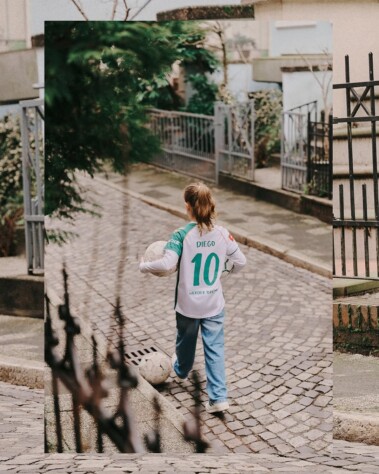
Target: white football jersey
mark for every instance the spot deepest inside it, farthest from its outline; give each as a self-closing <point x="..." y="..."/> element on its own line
<point x="201" y="263"/>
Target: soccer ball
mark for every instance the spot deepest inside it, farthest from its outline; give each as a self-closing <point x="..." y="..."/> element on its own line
<point x="228" y="268"/>
<point x="155" y="367"/>
<point x="155" y="251"/>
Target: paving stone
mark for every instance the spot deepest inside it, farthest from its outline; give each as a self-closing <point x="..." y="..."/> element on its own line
<point x="264" y="359"/>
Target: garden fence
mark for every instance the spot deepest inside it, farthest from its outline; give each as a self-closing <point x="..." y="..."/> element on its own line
<point x="32" y="132"/>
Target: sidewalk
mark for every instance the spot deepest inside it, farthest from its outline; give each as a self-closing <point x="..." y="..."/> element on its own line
<point x="298" y="239"/>
<point x="356" y="398"/>
<point x="21" y="351"/>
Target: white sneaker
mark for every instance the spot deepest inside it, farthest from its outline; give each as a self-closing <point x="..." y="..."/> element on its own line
<point x="214" y="407"/>
<point x="174" y="358"/>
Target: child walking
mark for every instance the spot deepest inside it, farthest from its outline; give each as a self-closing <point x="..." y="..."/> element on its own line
<point x="200" y="249"/>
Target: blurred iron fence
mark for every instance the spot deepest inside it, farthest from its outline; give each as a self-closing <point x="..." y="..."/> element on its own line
<point x="88" y="389"/>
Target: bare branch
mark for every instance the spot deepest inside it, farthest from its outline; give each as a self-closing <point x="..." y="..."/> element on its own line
<point x="325" y="81"/>
<point x="115" y="3"/>
<point x="127" y="10"/>
<point x="80" y="9"/>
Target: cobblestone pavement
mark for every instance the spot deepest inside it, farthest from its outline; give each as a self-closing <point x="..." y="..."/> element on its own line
<point x="21" y="450"/>
<point x="348" y="457"/>
<point x="21" y="421"/>
<point x="278" y="333"/>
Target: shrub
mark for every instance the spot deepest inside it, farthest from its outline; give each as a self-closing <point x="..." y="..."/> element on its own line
<point x="268" y="108"/>
<point x="10" y="183"/>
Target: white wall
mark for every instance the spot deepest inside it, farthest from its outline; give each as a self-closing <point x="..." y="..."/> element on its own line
<point x="306" y="37"/>
<point x="302" y="87"/>
<point x="64" y="10"/>
<point x="240" y="81"/>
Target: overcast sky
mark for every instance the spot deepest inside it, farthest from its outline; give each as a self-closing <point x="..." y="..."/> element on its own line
<point x="64" y="10"/>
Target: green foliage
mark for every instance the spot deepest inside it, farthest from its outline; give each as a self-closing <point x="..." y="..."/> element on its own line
<point x="192" y="54"/>
<point x="11" y="198"/>
<point x="268" y="108"/>
<point x="202" y="101"/>
<point x="10" y="160"/>
<point x="11" y="216"/>
<point x="100" y="77"/>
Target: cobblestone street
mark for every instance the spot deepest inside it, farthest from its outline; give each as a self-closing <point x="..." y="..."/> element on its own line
<point x="21" y="422"/>
<point x="21" y="450"/>
<point x="278" y="335"/>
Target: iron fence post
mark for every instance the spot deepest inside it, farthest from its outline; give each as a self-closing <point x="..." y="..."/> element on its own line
<point x="218" y="137"/>
<point x="309" y="170"/>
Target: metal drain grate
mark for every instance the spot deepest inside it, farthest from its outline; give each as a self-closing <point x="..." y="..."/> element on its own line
<point x="134" y="357"/>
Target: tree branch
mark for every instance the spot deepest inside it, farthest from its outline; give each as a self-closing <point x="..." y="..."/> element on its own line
<point x="115" y="3"/>
<point x="80" y="9"/>
<point x="127" y="10"/>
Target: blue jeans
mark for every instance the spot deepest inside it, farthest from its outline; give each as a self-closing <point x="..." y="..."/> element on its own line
<point x="212" y="332"/>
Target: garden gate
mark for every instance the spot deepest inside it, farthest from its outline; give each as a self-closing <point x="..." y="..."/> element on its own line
<point x="204" y="145"/>
<point x="294" y="154"/>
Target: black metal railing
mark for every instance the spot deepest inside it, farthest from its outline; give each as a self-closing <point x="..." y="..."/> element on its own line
<point x="88" y="390"/>
<point x="356" y="217"/>
<point x="306" y="151"/>
<point x="320" y="157"/>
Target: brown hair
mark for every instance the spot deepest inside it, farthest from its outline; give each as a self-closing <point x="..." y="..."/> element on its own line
<point x="199" y="197"/>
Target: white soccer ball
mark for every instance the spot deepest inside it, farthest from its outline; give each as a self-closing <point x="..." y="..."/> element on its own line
<point x="228" y="268"/>
<point x="155" y="251"/>
<point x="155" y="367"/>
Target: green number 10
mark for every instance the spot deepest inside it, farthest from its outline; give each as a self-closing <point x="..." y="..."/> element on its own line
<point x="197" y="261"/>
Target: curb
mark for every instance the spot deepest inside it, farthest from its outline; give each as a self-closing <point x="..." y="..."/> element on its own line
<point x="356" y="428"/>
<point x="22" y="296"/>
<point x="24" y="372"/>
<point x="272" y="248"/>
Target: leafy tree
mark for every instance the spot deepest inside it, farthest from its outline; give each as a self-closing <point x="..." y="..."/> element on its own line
<point x="206" y="93"/>
<point x="100" y="77"/>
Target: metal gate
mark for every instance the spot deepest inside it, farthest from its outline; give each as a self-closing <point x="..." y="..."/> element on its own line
<point x="187" y="143"/>
<point x="235" y="139"/>
<point x="202" y="145"/>
<point x="356" y="207"/>
<point x="320" y="157"/>
<point x="294" y="141"/>
<point x="32" y="132"/>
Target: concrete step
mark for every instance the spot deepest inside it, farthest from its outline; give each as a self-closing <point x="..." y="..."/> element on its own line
<point x="145" y="419"/>
<point x="21" y="351"/>
<point x="22" y="296"/>
<point x="362" y="150"/>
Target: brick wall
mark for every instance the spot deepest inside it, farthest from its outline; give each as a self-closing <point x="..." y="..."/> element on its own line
<point x="356" y="328"/>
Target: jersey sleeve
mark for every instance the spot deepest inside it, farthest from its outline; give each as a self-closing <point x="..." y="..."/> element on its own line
<point x="167" y="262"/>
<point x="176" y="242"/>
<point x="234" y="254"/>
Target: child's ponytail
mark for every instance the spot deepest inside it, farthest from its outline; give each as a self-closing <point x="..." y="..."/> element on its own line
<point x="199" y="197"/>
